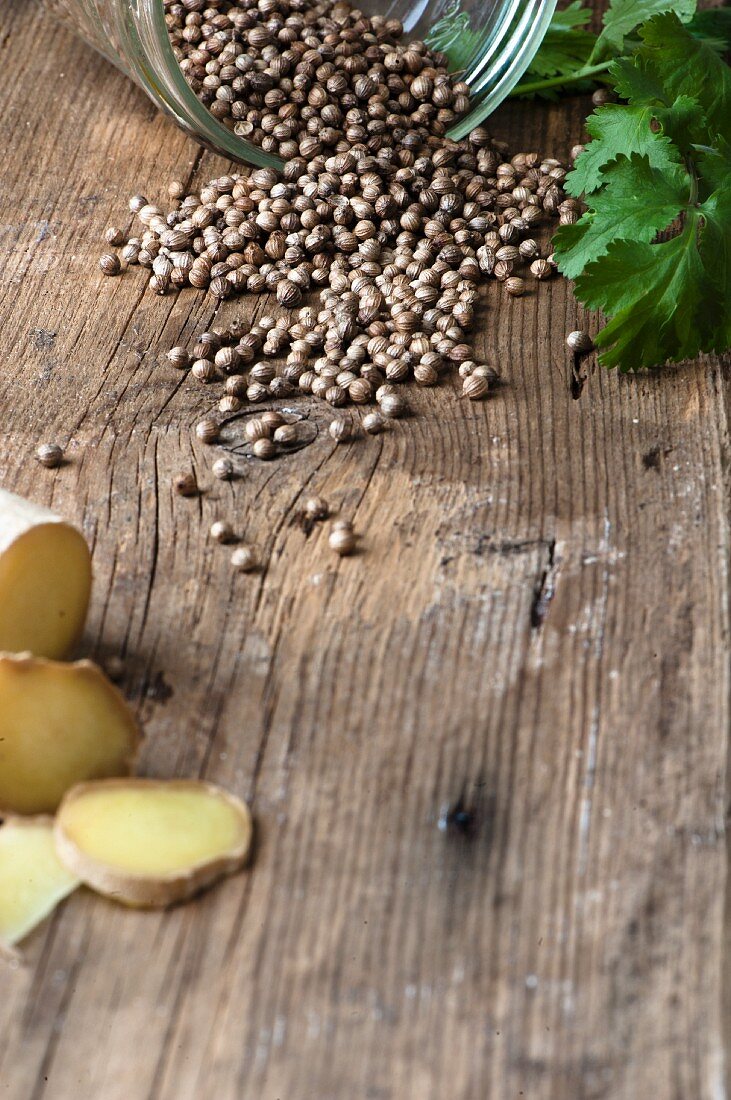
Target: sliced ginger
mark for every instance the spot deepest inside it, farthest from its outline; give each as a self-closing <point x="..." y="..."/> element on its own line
<point x="60" y="724"/>
<point x="32" y="878"/>
<point x="151" y="843"/>
<point x="45" y="579"/>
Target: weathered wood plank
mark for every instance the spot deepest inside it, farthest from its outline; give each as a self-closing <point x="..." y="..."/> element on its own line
<point x="535" y="634"/>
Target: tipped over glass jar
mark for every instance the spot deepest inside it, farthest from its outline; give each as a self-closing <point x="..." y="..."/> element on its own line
<point x="240" y="75"/>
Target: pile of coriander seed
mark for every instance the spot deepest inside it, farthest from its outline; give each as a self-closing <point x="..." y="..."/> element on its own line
<point x="374" y="237"/>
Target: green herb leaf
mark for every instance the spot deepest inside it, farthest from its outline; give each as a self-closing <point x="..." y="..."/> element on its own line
<point x="636" y="203"/>
<point x="660" y="164"/>
<point x="618" y="130"/>
<point x="667" y="301"/>
<point x="623" y="17"/>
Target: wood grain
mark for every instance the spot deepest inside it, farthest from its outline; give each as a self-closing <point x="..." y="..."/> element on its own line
<point x="486" y="755"/>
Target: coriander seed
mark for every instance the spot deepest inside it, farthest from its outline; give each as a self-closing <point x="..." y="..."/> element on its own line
<point x="114" y="236"/>
<point x="186" y="485"/>
<point x="475" y="387"/>
<point x="373" y="423"/>
<point x="340" y="430"/>
<point x="49" y="455"/>
<point x="317" y="508"/>
<point x="580" y="342"/>
<point x="179" y="358"/>
<point x="223" y="469"/>
<point x="393" y="405"/>
<point x="110" y="264"/>
<point x="342" y="539"/>
<point x="245" y="559"/>
<point x="264" y="448"/>
<point x="222" y="531"/>
<point x="286" y="434"/>
<point x="207" y="430"/>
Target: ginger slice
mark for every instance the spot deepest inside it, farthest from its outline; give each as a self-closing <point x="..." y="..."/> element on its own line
<point x="59" y="725"/>
<point x="151" y="843"/>
<point x="45" y="579"/>
<point x="32" y="878"/>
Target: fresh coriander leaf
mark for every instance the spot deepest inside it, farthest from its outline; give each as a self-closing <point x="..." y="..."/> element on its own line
<point x="653" y="293"/>
<point x="636" y="203"/>
<point x="622" y="17"/>
<point x="683" y="66"/>
<point x="667" y="301"/>
<point x="615" y="130"/>
<point x="713" y="27"/>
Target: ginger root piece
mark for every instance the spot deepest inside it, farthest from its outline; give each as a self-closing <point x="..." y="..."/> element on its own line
<point x="151" y="843"/>
<point x="32" y="878"/>
<point x="45" y="579"/>
<point x="59" y="725"/>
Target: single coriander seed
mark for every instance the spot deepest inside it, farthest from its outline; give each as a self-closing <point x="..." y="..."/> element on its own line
<point x="285" y="434"/>
<point x="580" y="342"/>
<point x="393" y="405"/>
<point x="186" y="485"/>
<point x="115" y="236"/>
<point x="223" y="469"/>
<point x="264" y="449"/>
<point x="179" y="358"/>
<point x="207" y="430"/>
<point x="373" y="423"/>
<point x="342" y="539"/>
<point x="245" y="559"/>
<point x="475" y="387"/>
<point x="49" y="455"/>
<point x="317" y="508"/>
<point x="114" y="667"/>
<point x="110" y="264"/>
<point x="222" y="531"/>
<point x="340" y="430"/>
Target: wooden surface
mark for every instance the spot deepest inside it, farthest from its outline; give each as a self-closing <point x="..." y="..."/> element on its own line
<point x="535" y="634"/>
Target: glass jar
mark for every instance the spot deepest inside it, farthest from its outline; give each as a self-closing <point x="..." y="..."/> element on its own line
<point x="490" y="42"/>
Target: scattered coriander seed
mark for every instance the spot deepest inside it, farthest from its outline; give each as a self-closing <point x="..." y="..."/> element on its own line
<point x="137" y="203"/>
<point x="223" y="469"/>
<point x="222" y="531"/>
<point x="203" y="371"/>
<point x="342" y="539"/>
<point x="176" y="189"/>
<point x="207" y="430"/>
<point x="229" y="404"/>
<point x="475" y="387"/>
<point x="484" y="370"/>
<point x="515" y="286"/>
<point x="257" y="428"/>
<point x="114" y="667"/>
<point x="49" y="455"/>
<point x="179" y="358"/>
<point x="317" y="508"/>
<point x="580" y="342"/>
<point x="601" y="96"/>
<point x="340" y="430"/>
<point x="272" y="419"/>
<point x="186" y="485"/>
<point x="393" y="405"/>
<point x="110" y="263"/>
<point x="264" y="448"/>
<point x="373" y="423"/>
<point x="541" y="269"/>
<point x="286" y="434"/>
<point x="114" y="236"/>
<point x="245" y="559"/>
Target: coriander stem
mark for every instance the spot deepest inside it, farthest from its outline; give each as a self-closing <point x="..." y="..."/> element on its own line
<point x="532" y="86"/>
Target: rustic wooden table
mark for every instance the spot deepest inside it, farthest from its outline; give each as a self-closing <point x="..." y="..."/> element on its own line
<point x="535" y="633"/>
